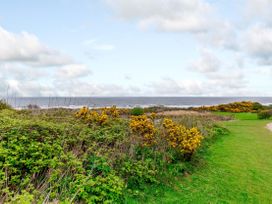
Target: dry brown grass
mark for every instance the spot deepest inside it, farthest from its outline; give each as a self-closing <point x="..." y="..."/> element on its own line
<point x="184" y="112"/>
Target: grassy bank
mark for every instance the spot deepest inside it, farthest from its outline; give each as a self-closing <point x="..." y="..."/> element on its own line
<point x="238" y="168"/>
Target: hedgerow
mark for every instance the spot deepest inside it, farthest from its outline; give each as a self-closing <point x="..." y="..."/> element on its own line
<point x="91" y="156"/>
<point x="236" y="107"/>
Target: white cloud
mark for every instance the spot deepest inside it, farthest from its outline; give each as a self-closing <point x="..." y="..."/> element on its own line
<point x="27" y="48"/>
<point x="73" y="71"/>
<point x="259" y="9"/>
<point x="166" y="15"/>
<point x="217" y="84"/>
<point x="207" y="63"/>
<point x="171" y="87"/>
<point x="222" y="35"/>
<point x="21" y="54"/>
<point x="96" y="45"/>
<point x="258" y="43"/>
<point x="83" y="88"/>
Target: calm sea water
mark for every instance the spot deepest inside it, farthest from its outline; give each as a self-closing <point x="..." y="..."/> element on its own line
<point x="75" y="102"/>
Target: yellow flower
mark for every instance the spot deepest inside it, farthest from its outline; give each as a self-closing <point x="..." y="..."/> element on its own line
<point x="178" y="136"/>
<point x="144" y="127"/>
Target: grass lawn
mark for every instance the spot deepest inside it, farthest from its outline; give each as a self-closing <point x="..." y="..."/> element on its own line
<point x="238" y="168"/>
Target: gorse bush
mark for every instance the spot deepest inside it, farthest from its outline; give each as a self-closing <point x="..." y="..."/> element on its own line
<point x="94" y="117"/>
<point x="179" y="137"/>
<point x="91" y="156"/>
<point x="236" y="107"/>
<point x="144" y="127"/>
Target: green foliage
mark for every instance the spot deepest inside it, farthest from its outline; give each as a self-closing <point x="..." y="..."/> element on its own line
<point x="235" y="107"/>
<point x="231" y="171"/>
<point x="257" y="106"/>
<point x="50" y="155"/>
<point x="139" y="173"/>
<point x="23" y="198"/>
<point x="27" y="150"/>
<point x="117" y="131"/>
<point x="4" y="105"/>
<point x="265" y="114"/>
<point x="137" y="111"/>
<point x="101" y="189"/>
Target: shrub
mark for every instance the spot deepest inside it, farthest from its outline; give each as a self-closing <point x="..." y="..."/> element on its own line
<point x="28" y="150"/>
<point x="98" y="117"/>
<point x="4" y="105"/>
<point x="23" y="198"/>
<point x="92" y="117"/>
<point x="265" y="114"/>
<point x="112" y="111"/>
<point x="179" y="137"/>
<point x="53" y="156"/>
<point x="137" y="111"/>
<point x="101" y="189"/>
<point x="101" y="184"/>
<point x="236" y="107"/>
<point x="138" y="173"/>
<point x="257" y="106"/>
<point x="144" y="127"/>
<point x="33" y="107"/>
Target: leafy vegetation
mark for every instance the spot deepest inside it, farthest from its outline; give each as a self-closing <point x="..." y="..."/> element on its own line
<point x="4" y="105"/>
<point x="265" y="114"/>
<point x="236" y="107"/>
<point x="137" y="111"/>
<point x="237" y="168"/>
<point x="93" y="156"/>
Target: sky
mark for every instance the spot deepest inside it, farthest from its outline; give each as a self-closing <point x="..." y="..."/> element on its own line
<point x="136" y="48"/>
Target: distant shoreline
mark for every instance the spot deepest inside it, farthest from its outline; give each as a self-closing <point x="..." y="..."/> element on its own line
<point x="128" y="102"/>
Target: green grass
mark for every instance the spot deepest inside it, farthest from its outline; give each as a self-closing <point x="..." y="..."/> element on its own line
<point x="238" y="168"/>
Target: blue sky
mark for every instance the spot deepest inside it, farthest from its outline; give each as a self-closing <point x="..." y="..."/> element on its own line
<point x="136" y="48"/>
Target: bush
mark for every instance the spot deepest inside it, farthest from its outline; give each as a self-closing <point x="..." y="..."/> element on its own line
<point x="101" y="189"/>
<point x="33" y="107"/>
<point x="28" y="151"/>
<point x="235" y="107"/>
<point x="143" y="127"/>
<point x="179" y="137"/>
<point x="257" y="106"/>
<point x="137" y="111"/>
<point x="4" y="105"/>
<point x="265" y="114"/>
<point x="53" y="155"/>
<point x="139" y="173"/>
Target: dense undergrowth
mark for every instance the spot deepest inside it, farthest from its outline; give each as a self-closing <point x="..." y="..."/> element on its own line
<point x="94" y="156"/>
<point x="235" y="107"/>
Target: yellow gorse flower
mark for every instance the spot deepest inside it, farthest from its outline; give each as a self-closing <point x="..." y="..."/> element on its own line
<point x="181" y="138"/>
<point x="92" y="116"/>
<point x="144" y="127"/>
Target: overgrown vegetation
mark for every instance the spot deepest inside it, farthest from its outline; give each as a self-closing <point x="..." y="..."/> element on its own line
<point x="137" y="111"/>
<point x="4" y="105"/>
<point x="92" y="156"/>
<point x="265" y="114"/>
<point x="236" y="107"/>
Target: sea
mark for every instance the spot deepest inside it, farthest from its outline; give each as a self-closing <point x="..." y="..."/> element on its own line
<point x="127" y="102"/>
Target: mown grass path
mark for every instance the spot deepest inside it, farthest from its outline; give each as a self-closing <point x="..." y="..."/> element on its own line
<point x="238" y="169"/>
